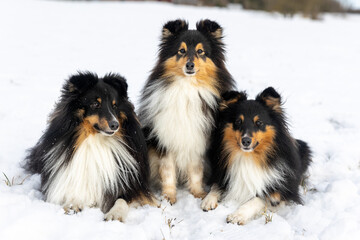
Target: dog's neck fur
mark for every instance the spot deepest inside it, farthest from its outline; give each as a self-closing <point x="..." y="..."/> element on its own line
<point x="180" y="117"/>
<point x="100" y="164"/>
<point x="246" y="179"/>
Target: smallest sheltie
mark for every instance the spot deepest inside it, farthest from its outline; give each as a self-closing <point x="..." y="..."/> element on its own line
<point x="254" y="158"/>
<point x="93" y="152"/>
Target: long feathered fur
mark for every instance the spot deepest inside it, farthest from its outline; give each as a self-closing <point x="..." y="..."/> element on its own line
<point x="127" y="175"/>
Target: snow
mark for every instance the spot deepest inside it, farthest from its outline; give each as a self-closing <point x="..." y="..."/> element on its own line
<point x="314" y="64"/>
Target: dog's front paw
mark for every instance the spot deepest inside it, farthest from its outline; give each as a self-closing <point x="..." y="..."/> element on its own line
<point x="199" y="194"/>
<point x="118" y="212"/>
<point x="210" y="202"/>
<point x="73" y="208"/>
<point x="237" y="218"/>
<point x="171" y="198"/>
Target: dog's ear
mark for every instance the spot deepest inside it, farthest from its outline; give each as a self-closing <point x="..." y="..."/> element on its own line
<point x="80" y="82"/>
<point x="270" y="98"/>
<point x="210" y="28"/>
<point x="118" y="82"/>
<point x="231" y="97"/>
<point x="173" y="28"/>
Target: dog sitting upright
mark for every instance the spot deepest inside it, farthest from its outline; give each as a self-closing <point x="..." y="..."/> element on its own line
<point x="254" y="157"/>
<point x="93" y="153"/>
<point x="179" y="102"/>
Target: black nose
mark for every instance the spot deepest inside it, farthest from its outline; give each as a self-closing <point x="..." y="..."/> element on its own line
<point x="190" y="65"/>
<point x="246" y="141"/>
<point x="114" y="125"/>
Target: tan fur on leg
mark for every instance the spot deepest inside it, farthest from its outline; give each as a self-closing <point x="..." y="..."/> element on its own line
<point x="168" y="177"/>
<point x="144" y="200"/>
<point x="195" y="179"/>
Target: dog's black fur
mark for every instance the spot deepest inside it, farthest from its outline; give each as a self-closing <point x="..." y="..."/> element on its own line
<point x="70" y="121"/>
<point x="185" y="56"/>
<point x="291" y="156"/>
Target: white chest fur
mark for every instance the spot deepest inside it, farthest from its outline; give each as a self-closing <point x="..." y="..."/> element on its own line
<point x="99" y="164"/>
<point x="246" y="179"/>
<point x="177" y="116"/>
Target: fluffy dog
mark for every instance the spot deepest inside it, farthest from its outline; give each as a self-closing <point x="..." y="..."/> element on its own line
<point x="253" y="156"/>
<point x="93" y="152"/>
<point x="179" y="102"/>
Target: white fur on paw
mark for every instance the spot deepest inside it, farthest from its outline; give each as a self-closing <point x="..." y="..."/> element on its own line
<point x="237" y="218"/>
<point x="73" y="208"/>
<point x="118" y="212"/>
<point x="210" y="202"/>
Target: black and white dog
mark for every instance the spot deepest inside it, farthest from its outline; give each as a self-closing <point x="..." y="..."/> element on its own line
<point x="179" y="102"/>
<point x="93" y="153"/>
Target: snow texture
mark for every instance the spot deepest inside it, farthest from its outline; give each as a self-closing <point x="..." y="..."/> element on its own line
<point x="314" y="64"/>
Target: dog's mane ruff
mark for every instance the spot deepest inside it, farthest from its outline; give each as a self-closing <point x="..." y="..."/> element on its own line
<point x="62" y="123"/>
<point x="58" y="145"/>
<point x="289" y="160"/>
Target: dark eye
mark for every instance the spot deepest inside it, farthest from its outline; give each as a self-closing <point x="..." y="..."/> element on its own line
<point x="238" y="123"/>
<point x="114" y="105"/>
<point x="200" y="51"/>
<point x="259" y="123"/>
<point x="182" y="51"/>
<point x="95" y="105"/>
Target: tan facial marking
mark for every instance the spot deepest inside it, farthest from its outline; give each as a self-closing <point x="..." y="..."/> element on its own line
<point x="205" y="70"/>
<point x="174" y="67"/>
<point x="232" y="139"/>
<point x="99" y="100"/>
<point x="200" y="46"/>
<point x="206" y="74"/>
<point x="86" y="128"/>
<point x="231" y="142"/>
<point x="183" y="46"/>
<point x="266" y="143"/>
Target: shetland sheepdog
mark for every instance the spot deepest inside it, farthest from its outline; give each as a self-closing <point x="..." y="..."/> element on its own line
<point x="179" y="102"/>
<point x="93" y="152"/>
<point x="254" y="158"/>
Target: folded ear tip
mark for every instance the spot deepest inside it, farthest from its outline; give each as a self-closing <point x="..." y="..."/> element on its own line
<point x="174" y="27"/>
<point x="270" y="91"/>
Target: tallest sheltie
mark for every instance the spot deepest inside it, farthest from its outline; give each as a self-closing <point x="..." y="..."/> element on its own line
<point x="179" y="103"/>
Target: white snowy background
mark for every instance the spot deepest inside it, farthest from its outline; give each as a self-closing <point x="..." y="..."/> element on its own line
<point x="314" y="64"/>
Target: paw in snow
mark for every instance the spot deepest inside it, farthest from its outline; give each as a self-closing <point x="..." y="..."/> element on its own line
<point x="210" y="202"/>
<point x="237" y="218"/>
<point x="73" y="208"/>
<point x="199" y="194"/>
<point x="118" y="212"/>
<point x="247" y="211"/>
<point x="170" y="195"/>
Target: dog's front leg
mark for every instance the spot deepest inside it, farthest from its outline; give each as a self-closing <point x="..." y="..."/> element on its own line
<point x="211" y="200"/>
<point x="195" y="178"/>
<point x="247" y="211"/>
<point x="167" y="173"/>
<point x="118" y="212"/>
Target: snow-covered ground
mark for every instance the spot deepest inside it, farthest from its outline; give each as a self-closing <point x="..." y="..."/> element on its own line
<point x="314" y="64"/>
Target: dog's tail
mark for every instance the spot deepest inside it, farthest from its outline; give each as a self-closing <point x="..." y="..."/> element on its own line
<point x="305" y="155"/>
